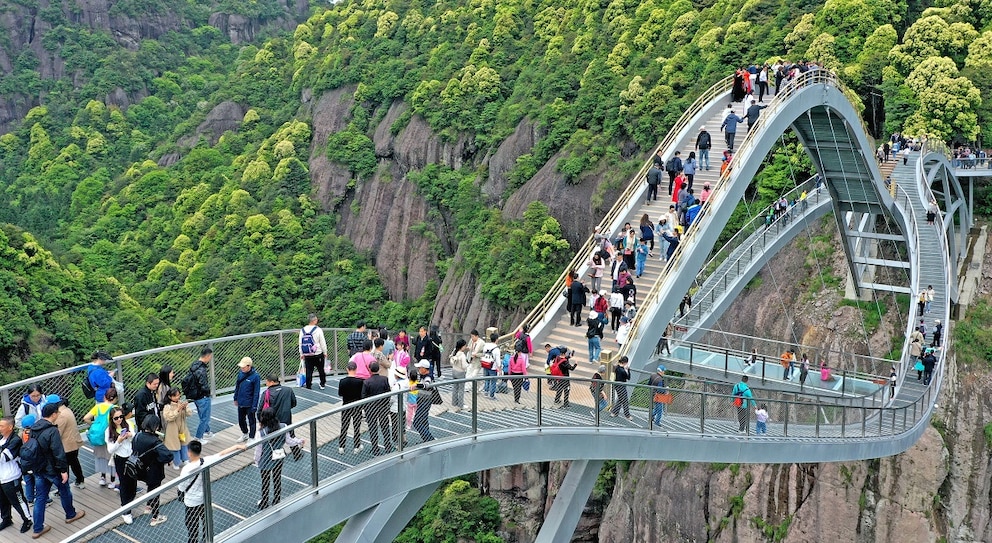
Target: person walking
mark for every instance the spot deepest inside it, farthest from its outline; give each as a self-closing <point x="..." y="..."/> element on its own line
<point x="270" y="454"/>
<point x="563" y="386"/>
<point x="459" y="367"/>
<point x="282" y="400"/>
<point x="703" y="143"/>
<point x="743" y="401"/>
<point x="653" y="178"/>
<point x="666" y="336"/>
<point x="621" y="400"/>
<point x="729" y="126"/>
<point x="518" y="367"/>
<point x="50" y="468"/>
<point x="753" y="113"/>
<point x="11" y="498"/>
<point x="594" y="336"/>
<point x="929" y="362"/>
<point x="191" y="492"/>
<point x="71" y="438"/>
<point x="491" y="366"/>
<point x="377" y="413"/>
<point x="176" y="430"/>
<point x="313" y="349"/>
<point x="154" y="456"/>
<point x="120" y="438"/>
<point x="674" y="168"/>
<point x="659" y="396"/>
<point x="200" y="394"/>
<point x="350" y="390"/>
<point x="577" y="296"/>
<point x="247" y="388"/>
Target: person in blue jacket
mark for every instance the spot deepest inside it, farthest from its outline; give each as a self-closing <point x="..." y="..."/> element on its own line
<point x="729" y="126"/>
<point x="100" y="379"/>
<point x="692" y="212"/>
<point x="246" y="391"/>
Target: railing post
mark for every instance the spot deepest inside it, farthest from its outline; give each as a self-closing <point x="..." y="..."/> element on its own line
<point x="540" y="401"/>
<point x="475" y="406"/>
<point x="314" y="468"/>
<point x="208" y="505"/>
<point x="843" y="421"/>
<point x="726" y="361"/>
<point x="282" y="358"/>
<point x="5" y="402"/>
<point x="843" y="383"/>
<point x="785" y="426"/>
<point x="691" y="352"/>
<point x="904" y="410"/>
<point x="702" y="410"/>
<point x="764" y="363"/>
<point x="606" y="358"/>
<point x="212" y="367"/>
<point x="819" y="410"/>
<point x="401" y="420"/>
<point x="864" y="420"/>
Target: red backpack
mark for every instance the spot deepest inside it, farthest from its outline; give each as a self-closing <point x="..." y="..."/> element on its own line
<point x="556" y="367"/>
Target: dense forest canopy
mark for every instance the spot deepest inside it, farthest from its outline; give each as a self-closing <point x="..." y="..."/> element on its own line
<point x="128" y="227"/>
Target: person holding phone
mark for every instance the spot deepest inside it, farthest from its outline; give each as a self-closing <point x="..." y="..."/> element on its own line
<point x="119" y="436"/>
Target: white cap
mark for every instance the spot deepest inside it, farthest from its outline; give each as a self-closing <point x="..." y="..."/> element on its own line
<point x="423" y="364"/>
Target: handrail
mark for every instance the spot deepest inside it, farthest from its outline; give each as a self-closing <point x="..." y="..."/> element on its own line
<point x="605" y="226"/>
<point x="708" y="411"/>
<point x="742" y="236"/>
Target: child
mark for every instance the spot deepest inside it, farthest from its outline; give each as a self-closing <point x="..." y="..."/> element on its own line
<point x="411" y="396"/>
<point x="641" y="256"/>
<point x="761" y="415"/>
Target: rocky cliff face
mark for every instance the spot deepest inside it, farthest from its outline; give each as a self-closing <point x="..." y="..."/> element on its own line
<point x="387" y="217"/>
<point x="24" y="26"/>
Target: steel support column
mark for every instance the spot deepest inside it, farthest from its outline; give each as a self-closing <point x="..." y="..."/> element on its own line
<point x="560" y="523"/>
<point x="382" y="523"/>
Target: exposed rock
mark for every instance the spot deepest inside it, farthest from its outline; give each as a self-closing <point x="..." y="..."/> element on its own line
<point x="461" y="307"/>
<point x="223" y="117"/>
<point x="505" y="157"/>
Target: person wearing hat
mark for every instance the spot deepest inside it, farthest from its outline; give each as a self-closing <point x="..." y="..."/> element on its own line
<point x="10" y="477"/>
<point x="247" y="387"/>
<point x="421" y="419"/>
<point x="98" y="376"/>
<point x="350" y="390"/>
<point x="55" y="473"/>
<point x="623" y="333"/>
<point x="28" y="421"/>
<point x="594" y="336"/>
<point x="657" y="381"/>
<point x="72" y="440"/>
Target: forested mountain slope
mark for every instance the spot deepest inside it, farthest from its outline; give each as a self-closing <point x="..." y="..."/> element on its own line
<point x="462" y="146"/>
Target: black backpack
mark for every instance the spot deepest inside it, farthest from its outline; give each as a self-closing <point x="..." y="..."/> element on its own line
<point x="191" y="386"/>
<point x="671" y="166"/>
<point x="89" y="392"/>
<point x="521" y="344"/>
<point x="32" y="457"/>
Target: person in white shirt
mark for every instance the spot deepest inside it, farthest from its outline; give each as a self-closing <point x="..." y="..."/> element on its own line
<point x="192" y="490"/>
<point x="492" y="364"/>
<point x="313" y="348"/>
<point x="10" y="477"/>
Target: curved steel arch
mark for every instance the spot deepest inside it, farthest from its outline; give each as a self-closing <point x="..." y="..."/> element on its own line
<point x="831" y="130"/>
<point x="935" y="168"/>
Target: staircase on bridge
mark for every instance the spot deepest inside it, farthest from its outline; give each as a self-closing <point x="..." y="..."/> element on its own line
<point x="574" y="337"/>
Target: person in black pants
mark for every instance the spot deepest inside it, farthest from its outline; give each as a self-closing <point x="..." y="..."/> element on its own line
<point x="577" y="295"/>
<point x="621" y="400"/>
<point x="350" y="390"/>
<point x="10" y="491"/>
<point x="149" y="448"/>
<point x="377" y="413"/>
<point x="564" y="386"/>
<point x="654" y="179"/>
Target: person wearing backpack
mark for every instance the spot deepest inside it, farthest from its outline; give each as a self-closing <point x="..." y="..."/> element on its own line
<point x="99" y="419"/>
<point x="31" y="404"/>
<point x="71" y="438"/>
<point x="562" y="367"/>
<point x="490" y="362"/>
<point x="703" y="144"/>
<point x="97" y="376"/>
<point x="523" y="344"/>
<point x="196" y="387"/>
<point x="594" y="336"/>
<point x="659" y="394"/>
<point x="743" y="401"/>
<point x="313" y="349"/>
<point x="10" y="477"/>
<point x="43" y="455"/>
<point x="153" y="456"/>
<point x="281" y="399"/>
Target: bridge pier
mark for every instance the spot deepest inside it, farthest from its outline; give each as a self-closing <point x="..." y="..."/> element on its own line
<point x="382" y="523"/>
<point x="560" y="522"/>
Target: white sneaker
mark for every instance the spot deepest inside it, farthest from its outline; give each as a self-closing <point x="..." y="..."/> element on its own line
<point x="208" y="435"/>
<point x="103" y="481"/>
<point x="158" y="520"/>
<point x="128" y="519"/>
<point x="244" y="437"/>
<point x="176" y="467"/>
<point x="358" y="448"/>
<point x="340" y="450"/>
<point x="321" y="387"/>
